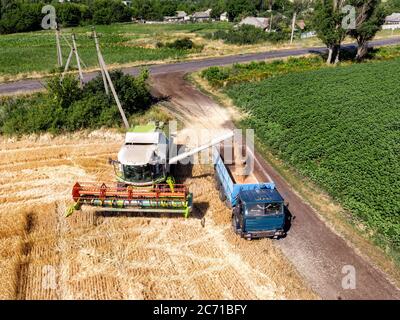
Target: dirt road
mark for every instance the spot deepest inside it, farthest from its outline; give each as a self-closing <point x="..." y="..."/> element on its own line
<point x="10" y="88"/>
<point x="315" y="250"/>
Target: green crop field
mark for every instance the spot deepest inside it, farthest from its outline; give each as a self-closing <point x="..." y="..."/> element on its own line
<point x="25" y="53"/>
<point x="340" y="127"/>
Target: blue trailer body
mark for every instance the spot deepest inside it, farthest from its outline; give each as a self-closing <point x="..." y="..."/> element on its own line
<point x="243" y="198"/>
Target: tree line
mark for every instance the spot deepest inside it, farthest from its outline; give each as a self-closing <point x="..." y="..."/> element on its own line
<point x="323" y="16"/>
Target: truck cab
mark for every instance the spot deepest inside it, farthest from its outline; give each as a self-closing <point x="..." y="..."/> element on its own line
<point x="259" y="213"/>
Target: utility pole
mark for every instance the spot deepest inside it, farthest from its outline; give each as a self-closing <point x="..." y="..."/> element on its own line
<point x="59" y="53"/>
<point x="96" y="41"/>
<point x="78" y="62"/>
<point x="293" y="25"/>
<point x="121" y="111"/>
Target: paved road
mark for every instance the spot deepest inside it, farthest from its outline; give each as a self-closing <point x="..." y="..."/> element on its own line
<point x="10" y="88"/>
<point x="314" y="249"/>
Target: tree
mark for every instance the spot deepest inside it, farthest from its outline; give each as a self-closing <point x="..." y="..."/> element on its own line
<point x="369" y="18"/>
<point x="235" y="8"/>
<point x="327" y="23"/>
<point x="217" y="8"/>
<point x="298" y="6"/>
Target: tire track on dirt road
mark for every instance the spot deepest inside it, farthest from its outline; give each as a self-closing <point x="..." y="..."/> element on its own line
<point x="317" y="252"/>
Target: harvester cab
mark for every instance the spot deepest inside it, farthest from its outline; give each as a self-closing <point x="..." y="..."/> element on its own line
<point x="143" y="159"/>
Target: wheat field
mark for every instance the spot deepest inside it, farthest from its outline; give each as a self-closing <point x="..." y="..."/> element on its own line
<point x="92" y="255"/>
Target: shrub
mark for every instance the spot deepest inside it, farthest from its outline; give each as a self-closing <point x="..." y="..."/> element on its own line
<point x="181" y="44"/>
<point x="248" y="34"/>
<point x="67" y="107"/>
<point x="21" y="17"/>
<point x="215" y="75"/>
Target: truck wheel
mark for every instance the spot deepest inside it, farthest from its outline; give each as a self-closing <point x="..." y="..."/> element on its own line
<point x="235" y="225"/>
<point x="222" y="196"/>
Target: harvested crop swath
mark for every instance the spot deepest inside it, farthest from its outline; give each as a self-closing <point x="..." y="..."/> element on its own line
<point x="340" y="127"/>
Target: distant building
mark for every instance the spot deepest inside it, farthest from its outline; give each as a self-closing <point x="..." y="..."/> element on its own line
<point x="309" y="34"/>
<point x="392" y="21"/>
<point x="224" y="16"/>
<point x="201" y="16"/>
<point x="180" y="16"/>
<point x="262" y="23"/>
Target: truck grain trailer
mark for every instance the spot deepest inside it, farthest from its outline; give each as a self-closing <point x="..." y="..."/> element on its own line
<point x="258" y="209"/>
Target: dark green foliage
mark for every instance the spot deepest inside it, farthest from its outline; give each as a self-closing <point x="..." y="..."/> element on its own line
<point x="224" y="76"/>
<point x="20" y="17"/>
<point x="391" y="6"/>
<point x="216" y="76"/>
<point x="71" y="14"/>
<point x="181" y="44"/>
<point x="340" y="127"/>
<point x="67" y="107"/>
<point x="237" y="8"/>
<point x="248" y="34"/>
<point x="371" y="16"/>
<point x="327" y="22"/>
<point x="106" y="12"/>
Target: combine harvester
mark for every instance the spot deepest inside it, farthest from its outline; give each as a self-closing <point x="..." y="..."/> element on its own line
<point x="144" y="183"/>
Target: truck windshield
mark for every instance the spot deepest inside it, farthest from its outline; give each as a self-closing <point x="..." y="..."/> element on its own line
<point x="260" y="209"/>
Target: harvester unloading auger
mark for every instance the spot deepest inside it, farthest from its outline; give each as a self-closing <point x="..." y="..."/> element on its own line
<point x="143" y="172"/>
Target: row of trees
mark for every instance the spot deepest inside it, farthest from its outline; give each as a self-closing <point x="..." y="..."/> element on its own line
<point x="333" y="22"/>
<point x="26" y="15"/>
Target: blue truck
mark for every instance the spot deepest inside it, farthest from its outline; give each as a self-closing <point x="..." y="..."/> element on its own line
<point x="258" y="210"/>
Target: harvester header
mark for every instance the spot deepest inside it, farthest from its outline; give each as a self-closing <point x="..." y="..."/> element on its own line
<point x="113" y="197"/>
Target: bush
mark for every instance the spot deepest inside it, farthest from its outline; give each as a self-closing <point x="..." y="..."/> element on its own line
<point x="181" y="44"/>
<point x="215" y="75"/>
<point x="248" y="34"/>
<point x="67" y="107"/>
<point x="255" y="71"/>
